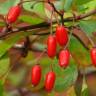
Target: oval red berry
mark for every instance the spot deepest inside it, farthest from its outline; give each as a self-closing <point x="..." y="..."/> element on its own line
<point x="93" y="56"/>
<point x="50" y="81"/>
<point x="13" y="14"/>
<point x="51" y="46"/>
<point x="64" y="58"/>
<point x="61" y="35"/>
<point x="36" y="75"/>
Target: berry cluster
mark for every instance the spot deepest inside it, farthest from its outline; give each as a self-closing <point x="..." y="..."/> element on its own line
<point x="64" y="58"/>
<point x="36" y="77"/>
<point x="60" y="37"/>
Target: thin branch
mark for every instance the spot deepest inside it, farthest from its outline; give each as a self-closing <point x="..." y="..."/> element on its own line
<point x="44" y="24"/>
<point x="82" y="16"/>
<point x="77" y="32"/>
<point x="79" y="35"/>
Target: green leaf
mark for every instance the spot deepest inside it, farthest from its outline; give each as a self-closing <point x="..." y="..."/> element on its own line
<point x="67" y="4"/>
<point x="59" y="5"/>
<point x="30" y="19"/>
<point x="88" y="26"/>
<point x="5" y="6"/>
<point x="65" y="77"/>
<point x="82" y="9"/>
<point x="81" y="2"/>
<point x="91" y="5"/>
<point x="38" y="8"/>
<point x="1" y="88"/>
<point x="85" y="92"/>
<point x="4" y="65"/>
<point x="63" y="4"/>
<point x="81" y="54"/>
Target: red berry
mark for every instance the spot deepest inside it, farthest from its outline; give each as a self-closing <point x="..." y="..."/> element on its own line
<point x="51" y="46"/>
<point x="13" y="14"/>
<point x="61" y="35"/>
<point x="36" y="75"/>
<point x="50" y="81"/>
<point x="93" y="56"/>
<point x="64" y="58"/>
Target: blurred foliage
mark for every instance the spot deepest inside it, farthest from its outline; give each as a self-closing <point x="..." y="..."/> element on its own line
<point x="66" y="78"/>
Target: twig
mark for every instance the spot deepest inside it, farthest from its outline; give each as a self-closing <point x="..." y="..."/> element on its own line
<point x="44" y="24"/>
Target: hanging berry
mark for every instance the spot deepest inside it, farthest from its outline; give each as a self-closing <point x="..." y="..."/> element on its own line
<point x="51" y="46"/>
<point x="64" y="58"/>
<point x="50" y="81"/>
<point x="93" y="56"/>
<point x="36" y="75"/>
<point x="13" y="14"/>
<point x="61" y="35"/>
